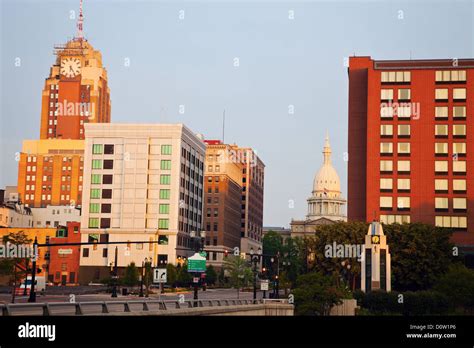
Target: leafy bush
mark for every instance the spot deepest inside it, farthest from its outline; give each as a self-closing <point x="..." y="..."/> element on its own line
<point x="316" y="294"/>
<point x="408" y="303"/>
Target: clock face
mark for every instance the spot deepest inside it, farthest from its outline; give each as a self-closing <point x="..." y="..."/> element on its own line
<point x="70" y="67"/>
<point x="375" y="239"/>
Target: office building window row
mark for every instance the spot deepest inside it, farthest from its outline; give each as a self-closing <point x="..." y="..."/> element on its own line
<point x="391" y="219"/>
<point x="455" y="76"/>
<point x="396" y="77"/>
<point x="388" y="202"/>
<point x="451" y="221"/>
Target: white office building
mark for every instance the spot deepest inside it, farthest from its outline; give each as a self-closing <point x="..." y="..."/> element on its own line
<point x="55" y="215"/>
<point x="142" y="182"/>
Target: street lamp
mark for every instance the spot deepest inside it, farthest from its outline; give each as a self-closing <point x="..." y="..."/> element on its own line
<point x="255" y="260"/>
<point x="197" y="248"/>
<point x="144" y="262"/>
<point x="115" y="274"/>
<point x="346" y="266"/>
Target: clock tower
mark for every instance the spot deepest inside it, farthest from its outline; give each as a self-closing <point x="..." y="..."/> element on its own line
<point x="76" y="91"/>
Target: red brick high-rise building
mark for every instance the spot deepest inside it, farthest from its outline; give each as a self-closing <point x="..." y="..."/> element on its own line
<point x="410" y="146"/>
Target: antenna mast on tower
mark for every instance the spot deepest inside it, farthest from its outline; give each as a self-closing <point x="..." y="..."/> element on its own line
<point x="80" y="22"/>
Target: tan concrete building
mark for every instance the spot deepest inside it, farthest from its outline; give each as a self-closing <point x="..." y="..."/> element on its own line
<point x="142" y="182"/>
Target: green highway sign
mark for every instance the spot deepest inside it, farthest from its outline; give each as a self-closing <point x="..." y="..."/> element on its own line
<point x="196" y="263"/>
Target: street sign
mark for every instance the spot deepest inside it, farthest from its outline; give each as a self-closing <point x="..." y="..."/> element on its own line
<point x="159" y="275"/>
<point x="197" y="263"/>
<point x="195" y="280"/>
<point x="264" y="285"/>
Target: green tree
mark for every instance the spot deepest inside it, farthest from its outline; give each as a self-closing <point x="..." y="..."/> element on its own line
<point x="238" y="271"/>
<point x="316" y="294"/>
<point x="183" y="277"/>
<point x="458" y="285"/>
<point x="211" y="275"/>
<point x="131" y="276"/>
<point x="171" y="274"/>
<point x="340" y="233"/>
<point x="421" y="254"/>
<point x="14" y="267"/>
<point x="272" y="244"/>
<point x="221" y="277"/>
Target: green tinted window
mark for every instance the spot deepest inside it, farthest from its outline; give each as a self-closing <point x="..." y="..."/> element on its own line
<point x="95" y="193"/>
<point x="165" y="164"/>
<point x="165" y="179"/>
<point x="94" y="208"/>
<point x="96" y="164"/>
<point x="163" y="224"/>
<point x="97" y="149"/>
<point x="164" y="208"/>
<point x="165" y="194"/>
<point x="166" y="149"/>
<point x="96" y="179"/>
<point x="93" y="222"/>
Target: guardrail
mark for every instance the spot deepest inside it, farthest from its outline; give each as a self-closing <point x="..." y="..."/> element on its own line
<point x="104" y="307"/>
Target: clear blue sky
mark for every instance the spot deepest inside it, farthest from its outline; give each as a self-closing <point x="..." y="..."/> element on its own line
<point x="190" y="62"/>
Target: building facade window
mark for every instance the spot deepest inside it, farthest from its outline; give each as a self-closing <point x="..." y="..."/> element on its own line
<point x="96" y="179"/>
<point x="163" y="224"/>
<point x="403" y="185"/>
<point x="441" y="94"/>
<point x="450" y="76"/>
<point x="386" y="184"/>
<point x="93" y="222"/>
<point x="164" y="208"/>
<point x="96" y="164"/>
<point x="441" y="130"/>
<point x="386" y="202"/>
<point x="441" y="185"/>
<point x="95" y="193"/>
<point x="386" y="166"/>
<point x="403" y="166"/>
<point x="404" y="130"/>
<point x="403" y="203"/>
<point x="164" y="194"/>
<point x="459" y="167"/>
<point x="166" y="149"/>
<point x="165" y="179"/>
<point x="441" y="203"/>
<point x="165" y="165"/>
<point x="403" y="148"/>
<point x="97" y="149"/>
<point x="94" y="207"/>
<point x="386" y="148"/>
<point x="386" y="130"/>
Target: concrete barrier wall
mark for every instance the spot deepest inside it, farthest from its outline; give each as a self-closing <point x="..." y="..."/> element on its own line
<point x="268" y="309"/>
<point x="347" y="308"/>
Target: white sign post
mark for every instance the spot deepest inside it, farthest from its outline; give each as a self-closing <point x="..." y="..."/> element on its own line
<point x="264" y="285"/>
<point x="159" y="275"/>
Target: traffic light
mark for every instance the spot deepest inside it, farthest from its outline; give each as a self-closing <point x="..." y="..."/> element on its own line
<point x="226" y="253"/>
<point x="264" y="270"/>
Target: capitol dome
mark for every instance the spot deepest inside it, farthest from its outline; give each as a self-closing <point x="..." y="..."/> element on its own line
<point x="326" y="200"/>
<point x="326" y="181"/>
